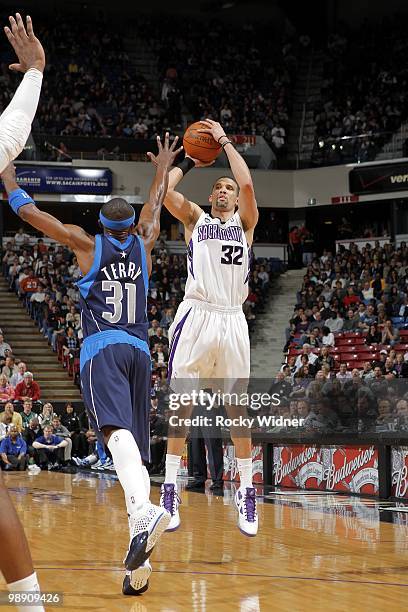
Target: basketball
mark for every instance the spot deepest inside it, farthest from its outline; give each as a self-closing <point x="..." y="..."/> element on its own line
<point x="200" y="146"/>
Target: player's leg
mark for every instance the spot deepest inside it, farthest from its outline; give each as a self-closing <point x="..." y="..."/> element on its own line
<point x="234" y="367"/>
<point x="15" y="559"/>
<point x="106" y="385"/>
<point x="192" y="356"/>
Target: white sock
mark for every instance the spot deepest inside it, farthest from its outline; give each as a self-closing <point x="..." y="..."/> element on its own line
<point x="146" y="479"/>
<point x="245" y="472"/>
<point x="30" y="583"/>
<point x="128" y="466"/>
<point x="172" y="466"/>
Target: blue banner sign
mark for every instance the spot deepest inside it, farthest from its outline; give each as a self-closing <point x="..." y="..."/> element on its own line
<point x="55" y="179"/>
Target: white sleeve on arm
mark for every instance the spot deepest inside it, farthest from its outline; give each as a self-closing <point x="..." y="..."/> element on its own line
<point x="15" y="121"/>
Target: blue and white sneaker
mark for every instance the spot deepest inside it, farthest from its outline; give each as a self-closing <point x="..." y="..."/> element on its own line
<point x="170" y="501"/>
<point x="99" y="465"/>
<point x="109" y="465"/>
<point x="137" y="582"/>
<point x="146" y="527"/>
<point x="86" y="462"/>
<point x="245" y="502"/>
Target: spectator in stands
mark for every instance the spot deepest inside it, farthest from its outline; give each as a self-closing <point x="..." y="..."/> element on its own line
<point x="72" y="422"/>
<point x="335" y="324"/>
<point x="10" y="416"/>
<point x="9" y="368"/>
<point x="29" y="285"/>
<point x="19" y="376"/>
<point x="311" y="357"/>
<point x="62" y="432"/>
<point x="327" y="337"/>
<point x="5" y="348"/>
<point x="30" y="433"/>
<point x="324" y="358"/>
<point x="389" y="334"/>
<point x="46" y="415"/>
<point x="20" y="238"/>
<point x="351" y="322"/>
<point x="28" y="389"/>
<point x="6" y="390"/>
<point x="27" y="415"/>
<point x="50" y="450"/>
<point x="351" y="298"/>
<point x="368" y="372"/>
<point x="343" y="374"/>
<point x="13" y="451"/>
<point x="373" y="336"/>
<point x="400" y="367"/>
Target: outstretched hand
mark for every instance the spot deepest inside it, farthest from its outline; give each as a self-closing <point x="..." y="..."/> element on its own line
<point x="167" y="154"/>
<point x="28" y="48"/>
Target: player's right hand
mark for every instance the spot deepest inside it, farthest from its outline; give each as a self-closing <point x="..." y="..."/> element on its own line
<point x="28" y="48"/>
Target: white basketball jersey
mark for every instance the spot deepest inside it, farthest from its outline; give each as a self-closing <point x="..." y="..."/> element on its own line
<point x="218" y="259"/>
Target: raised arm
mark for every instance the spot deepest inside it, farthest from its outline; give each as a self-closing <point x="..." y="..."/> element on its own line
<point x="15" y="121"/>
<point x="24" y="206"/>
<point x="177" y="204"/>
<point x="148" y="226"/>
<point x="247" y="206"/>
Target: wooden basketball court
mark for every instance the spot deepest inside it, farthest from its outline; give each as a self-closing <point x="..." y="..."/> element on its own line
<point x="313" y="552"/>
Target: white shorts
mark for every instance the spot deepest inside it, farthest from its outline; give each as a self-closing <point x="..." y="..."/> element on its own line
<point x="208" y="342"/>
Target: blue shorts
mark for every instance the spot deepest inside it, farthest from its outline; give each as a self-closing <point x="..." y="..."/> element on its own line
<point x="116" y="391"/>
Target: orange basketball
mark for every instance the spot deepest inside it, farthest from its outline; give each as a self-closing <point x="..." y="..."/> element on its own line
<point x="200" y="146"/>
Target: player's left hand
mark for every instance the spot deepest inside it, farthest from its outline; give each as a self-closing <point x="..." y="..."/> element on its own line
<point x="167" y="154"/>
<point x="214" y="128"/>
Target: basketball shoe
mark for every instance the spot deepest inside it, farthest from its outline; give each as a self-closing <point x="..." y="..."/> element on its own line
<point x="245" y="502"/>
<point x="170" y="501"/>
<point x="146" y="527"/>
<point x="137" y="582"/>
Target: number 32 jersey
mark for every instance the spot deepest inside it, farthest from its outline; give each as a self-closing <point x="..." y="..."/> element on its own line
<point x="218" y="259"/>
<point x="113" y="294"/>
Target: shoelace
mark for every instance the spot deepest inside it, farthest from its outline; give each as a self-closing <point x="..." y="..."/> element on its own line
<point x="170" y="496"/>
<point x="250" y="506"/>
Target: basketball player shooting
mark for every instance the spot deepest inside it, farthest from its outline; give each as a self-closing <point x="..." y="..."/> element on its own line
<point x="15" y="125"/>
<point x="115" y="366"/>
<point x="209" y="336"/>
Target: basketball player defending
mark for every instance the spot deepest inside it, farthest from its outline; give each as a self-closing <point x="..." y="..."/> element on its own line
<point x="115" y="358"/>
<point x="15" y="125"/>
<point x="209" y="336"/>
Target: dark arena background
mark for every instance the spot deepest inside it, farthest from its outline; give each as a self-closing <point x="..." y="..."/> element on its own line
<point x="315" y="99"/>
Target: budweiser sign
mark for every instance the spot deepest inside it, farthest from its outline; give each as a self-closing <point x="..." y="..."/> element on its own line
<point x="399" y="471"/>
<point x="230" y="464"/>
<point x="329" y="468"/>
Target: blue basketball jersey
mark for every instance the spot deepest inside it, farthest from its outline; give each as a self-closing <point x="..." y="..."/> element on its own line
<point x="113" y="294"/>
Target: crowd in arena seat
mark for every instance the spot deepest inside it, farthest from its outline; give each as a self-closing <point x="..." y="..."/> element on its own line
<point x="44" y="275"/>
<point x="347" y="339"/>
<point x="91" y="88"/>
<point x="364" y="90"/>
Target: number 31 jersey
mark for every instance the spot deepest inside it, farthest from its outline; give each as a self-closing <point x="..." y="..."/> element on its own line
<point x="218" y="259"/>
<point x="114" y="292"/>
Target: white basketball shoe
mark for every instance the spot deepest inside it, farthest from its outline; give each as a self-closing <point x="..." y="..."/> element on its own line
<point x="170" y="501"/>
<point x="146" y="527"/>
<point x="245" y="502"/>
<point x="137" y="582"/>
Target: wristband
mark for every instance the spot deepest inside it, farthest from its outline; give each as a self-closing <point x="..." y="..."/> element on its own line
<point x="186" y="165"/>
<point x="19" y="198"/>
<point x="223" y="136"/>
<point x="225" y="143"/>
